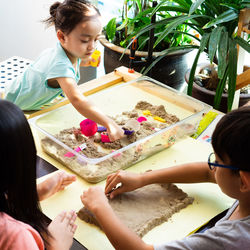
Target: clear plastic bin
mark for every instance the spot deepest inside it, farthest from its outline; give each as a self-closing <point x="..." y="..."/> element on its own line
<point x="113" y="101"/>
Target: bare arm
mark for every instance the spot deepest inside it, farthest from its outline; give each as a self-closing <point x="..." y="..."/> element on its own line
<point x="54" y="183"/>
<point x="184" y="173"/>
<point x="87" y="109"/>
<point x="118" y="234"/>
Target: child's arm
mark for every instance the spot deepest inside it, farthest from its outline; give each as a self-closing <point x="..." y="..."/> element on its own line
<point x="54" y="183"/>
<point x="87" y="109"/>
<point x="118" y="234"/>
<point x="185" y="173"/>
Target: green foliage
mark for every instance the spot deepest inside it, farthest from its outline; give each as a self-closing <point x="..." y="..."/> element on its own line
<point x="111" y="29"/>
<point x="138" y="16"/>
<point x="215" y="21"/>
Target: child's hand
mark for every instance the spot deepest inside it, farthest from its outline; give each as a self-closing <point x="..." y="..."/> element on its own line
<point x="54" y="183"/>
<point x="62" y="230"/>
<point x="94" y="198"/>
<point x="115" y="132"/>
<point x="90" y="62"/>
<point x="128" y="181"/>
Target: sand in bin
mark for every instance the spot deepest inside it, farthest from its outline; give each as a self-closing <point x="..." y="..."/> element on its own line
<point x="95" y="148"/>
<point x="143" y="209"/>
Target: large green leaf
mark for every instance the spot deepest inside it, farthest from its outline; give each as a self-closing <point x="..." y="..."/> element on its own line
<point x="219" y="90"/>
<point x="195" y="5"/>
<point x="138" y="2"/>
<point x="227" y="16"/>
<point x="212" y="7"/>
<point x="174" y="8"/>
<point x="184" y="3"/>
<point x="232" y="65"/>
<point x="245" y="4"/>
<point x="203" y="44"/>
<point x="233" y="6"/>
<point x="244" y="44"/>
<point x="222" y="54"/>
<point x="111" y="29"/>
<point x="213" y="42"/>
<point x="173" y="25"/>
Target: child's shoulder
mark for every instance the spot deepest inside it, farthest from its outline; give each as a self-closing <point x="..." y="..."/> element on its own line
<point x="18" y="235"/>
<point x="50" y="57"/>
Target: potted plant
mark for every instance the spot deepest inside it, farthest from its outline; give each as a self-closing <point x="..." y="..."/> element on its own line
<point x="216" y="22"/>
<point x="136" y="15"/>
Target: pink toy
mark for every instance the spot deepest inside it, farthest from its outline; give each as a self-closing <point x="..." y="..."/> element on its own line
<point x="78" y="149"/>
<point x="104" y="138"/>
<point x="88" y="127"/>
<point x="141" y="119"/>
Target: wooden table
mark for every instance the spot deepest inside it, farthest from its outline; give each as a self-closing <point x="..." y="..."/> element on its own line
<point x="209" y="200"/>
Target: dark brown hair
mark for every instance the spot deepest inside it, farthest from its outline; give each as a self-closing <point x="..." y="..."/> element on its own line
<point x="231" y="138"/>
<point x="66" y="15"/>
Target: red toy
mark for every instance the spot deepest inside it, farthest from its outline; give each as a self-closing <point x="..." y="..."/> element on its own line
<point x="88" y="127"/>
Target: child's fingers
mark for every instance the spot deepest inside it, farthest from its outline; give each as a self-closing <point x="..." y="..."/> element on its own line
<point x="117" y="191"/>
<point x="67" y="182"/>
<point x="109" y="180"/>
<point x="112" y="183"/>
<point x="73" y="228"/>
<point x="70" y="218"/>
<point x="60" y="217"/>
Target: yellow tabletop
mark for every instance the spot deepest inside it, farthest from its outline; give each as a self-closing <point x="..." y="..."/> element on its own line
<point x="209" y="200"/>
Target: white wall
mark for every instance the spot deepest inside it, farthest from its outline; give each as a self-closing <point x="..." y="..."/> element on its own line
<point x="22" y="33"/>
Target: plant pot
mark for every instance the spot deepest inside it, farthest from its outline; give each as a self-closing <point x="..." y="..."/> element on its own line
<point x="170" y="70"/>
<point x="207" y="96"/>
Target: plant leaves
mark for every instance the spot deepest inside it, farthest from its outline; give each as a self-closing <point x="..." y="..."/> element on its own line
<point x="226" y="16"/>
<point x="222" y="54"/>
<point x="175" y="8"/>
<point x="138" y="2"/>
<point x="111" y="29"/>
<point x="213" y="42"/>
<point x="124" y="23"/>
<point x="219" y="90"/>
<point x="184" y="3"/>
<point x="244" y="44"/>
<point x="203" y="44"/>
<point x="194" y="6"/>
<point x="173" y="25"/>
<point x="232" y="66"/>
<point x="245" y="4"/>
<point x="165" y="53"/>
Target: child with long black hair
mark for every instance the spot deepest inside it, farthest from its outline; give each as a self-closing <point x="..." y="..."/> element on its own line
<point x="22" y="223"/>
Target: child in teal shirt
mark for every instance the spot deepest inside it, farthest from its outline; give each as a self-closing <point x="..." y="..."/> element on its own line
<point x="78" y="27"/>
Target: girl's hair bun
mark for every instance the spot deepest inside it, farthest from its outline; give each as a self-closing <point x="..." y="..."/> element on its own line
<point x="53" y="9"/>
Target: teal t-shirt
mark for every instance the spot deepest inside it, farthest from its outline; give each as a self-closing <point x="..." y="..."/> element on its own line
<point x="30" y="90"/>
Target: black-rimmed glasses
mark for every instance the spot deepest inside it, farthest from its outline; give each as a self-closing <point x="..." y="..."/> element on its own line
<point x="212" y="163"/>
